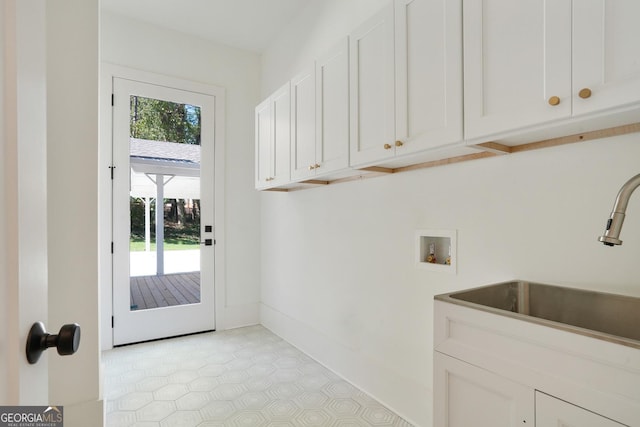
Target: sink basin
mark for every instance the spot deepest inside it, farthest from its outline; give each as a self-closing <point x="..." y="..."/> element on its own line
<point x="614" y="318"/>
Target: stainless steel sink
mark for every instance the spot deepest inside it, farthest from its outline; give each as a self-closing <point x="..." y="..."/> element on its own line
<point x="614" y="318"/>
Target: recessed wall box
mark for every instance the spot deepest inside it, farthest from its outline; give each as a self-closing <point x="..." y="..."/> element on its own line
<point x="436" y="250"/>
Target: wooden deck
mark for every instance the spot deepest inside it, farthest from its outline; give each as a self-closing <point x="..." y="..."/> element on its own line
<point x="164" y="291"/>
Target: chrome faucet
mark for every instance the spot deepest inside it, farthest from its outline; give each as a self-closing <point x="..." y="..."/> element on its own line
<point x="614" y="224"/>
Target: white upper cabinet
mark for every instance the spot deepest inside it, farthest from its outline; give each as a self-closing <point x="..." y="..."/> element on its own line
<point x="539" y="62"/>
<point x="372" y="89"/>
<point x="406" y="80"/>
<point x="320" y="116"/>
<point x="303" y="124"/>
<point x="272" y="121"/>
<point x="403" y="86"/>
<point x="606" y="54"/>
<point x="428" y="77"/>
<point x="332" y="109"/>
<point x="517" y="64"/>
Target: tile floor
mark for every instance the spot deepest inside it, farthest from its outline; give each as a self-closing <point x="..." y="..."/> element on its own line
<point x="242" y="377"/>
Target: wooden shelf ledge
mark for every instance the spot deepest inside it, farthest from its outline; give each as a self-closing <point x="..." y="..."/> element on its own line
<point x="488" y="149"/>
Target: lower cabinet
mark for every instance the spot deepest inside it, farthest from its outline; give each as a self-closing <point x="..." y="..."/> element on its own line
<point x="466" y="395"/>
<point x="552" y="412"/>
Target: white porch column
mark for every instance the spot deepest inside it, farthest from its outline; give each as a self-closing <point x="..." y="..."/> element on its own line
<point x="160" y="225"/>
<point x="147" y="224"/>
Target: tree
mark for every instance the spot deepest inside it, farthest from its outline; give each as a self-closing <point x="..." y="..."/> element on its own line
<point x="160" y="120"/>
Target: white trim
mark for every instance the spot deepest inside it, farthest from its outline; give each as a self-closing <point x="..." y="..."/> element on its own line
<point x="105" y="220"/>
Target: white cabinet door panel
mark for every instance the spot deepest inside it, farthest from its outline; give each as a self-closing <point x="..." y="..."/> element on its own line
<point x="263" y="118"/>
<point x="303" y="121"/>
<point x="372" y="88"/>
<point x="428" y="49"/>
<point x="469" y="396"/>
<point x="332" y="109"/>
<point x="606" y="53"/>
<point x="281" y="108"/>
<point x="552" y="412"/>
<point x="517" y="55"/>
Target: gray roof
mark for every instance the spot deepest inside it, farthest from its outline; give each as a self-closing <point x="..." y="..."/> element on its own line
<point x="164" y="151"/>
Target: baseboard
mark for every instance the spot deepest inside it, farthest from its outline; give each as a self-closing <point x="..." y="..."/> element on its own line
<point x="409" y="399"/>
<point x="238" y="316"/>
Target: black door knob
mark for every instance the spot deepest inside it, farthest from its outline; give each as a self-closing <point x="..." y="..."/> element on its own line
<point x="66" y="342"/>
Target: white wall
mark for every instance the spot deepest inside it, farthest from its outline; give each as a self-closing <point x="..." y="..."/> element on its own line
<point x="317" y="29"/>
<point x="147" y="47"/>
<point x="72" y="211"/>
<point x="338" y="273"/>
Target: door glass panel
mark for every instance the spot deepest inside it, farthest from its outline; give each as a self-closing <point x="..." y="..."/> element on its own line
<point x="164" y="249"/>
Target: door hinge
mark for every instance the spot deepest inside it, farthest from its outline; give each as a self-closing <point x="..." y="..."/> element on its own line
<point x="111" y="247"/>
<point x="112" y="322"/>
<point x="113" y="100"/>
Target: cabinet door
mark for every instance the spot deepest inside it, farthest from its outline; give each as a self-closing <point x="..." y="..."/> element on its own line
<point x="517" y="56"/>
<point x="552" y="412"/>
<point x="428" y="58"/>
<point x="281" y="110"/>
<point x="606" y="53"/>
<point x="372" y="89"/>
<point x="264" y="121"/>
<point x="303" y="124"/>
<point x="332" y="109"/>
<point x="465" y="395"/>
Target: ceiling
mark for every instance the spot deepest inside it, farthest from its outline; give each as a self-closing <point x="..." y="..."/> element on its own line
<point x="244" y="24"/>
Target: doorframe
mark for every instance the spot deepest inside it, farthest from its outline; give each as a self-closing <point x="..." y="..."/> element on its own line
<point x="105" y="216"/>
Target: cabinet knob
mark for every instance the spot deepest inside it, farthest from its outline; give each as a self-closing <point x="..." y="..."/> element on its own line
<point x="554" y="100"/>
<point x="311" y="167"/>
<point x="399" y="143"/>
<point x="584" y="93"/>
<point x="316" y="166"/>
<point x="387" y="146"/>
<point x="269" y="179"/>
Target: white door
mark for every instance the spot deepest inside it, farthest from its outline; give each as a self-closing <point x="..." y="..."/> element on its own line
<point x="273" y="122"/>
<point x="23" y="191"/>
<point x="371" y="87"/>
<point x="264" y="125"/>
<point x="281" y="136"/>
<point x="466" y="395"/>
<point x="303" y="124"/>
<point x="428" y="58"/>
<point x="517" y="64"/>
<point x="332" y="109"/>
<point x="606" y="58"/>
<point x="552" y="412"/>
<point x="163" y="213"/>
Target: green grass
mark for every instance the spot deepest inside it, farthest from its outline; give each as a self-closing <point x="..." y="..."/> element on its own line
<point x="176" y="238"/>
<point x="169" y="245"/>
